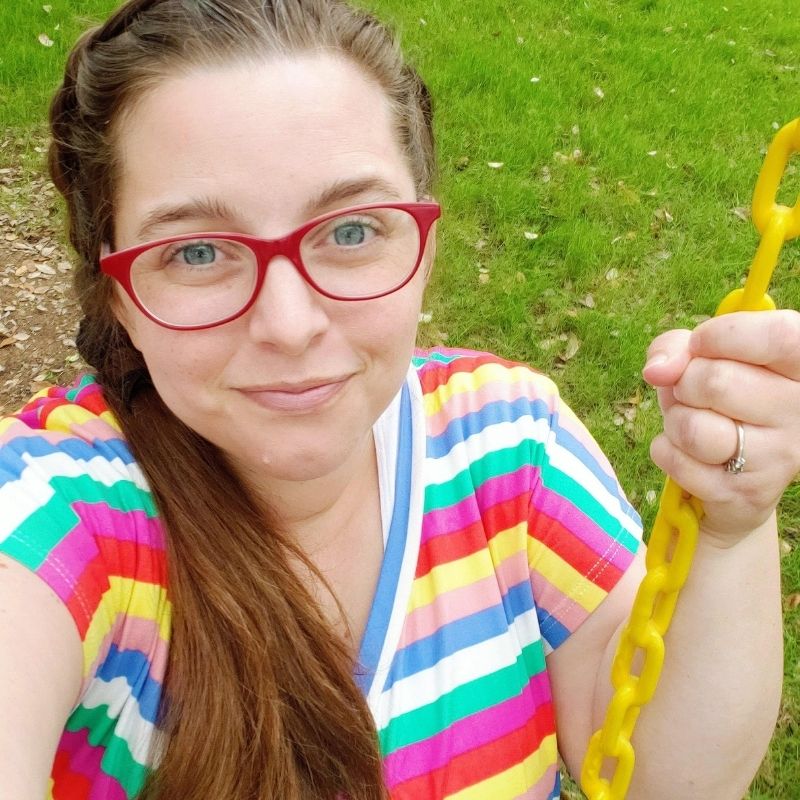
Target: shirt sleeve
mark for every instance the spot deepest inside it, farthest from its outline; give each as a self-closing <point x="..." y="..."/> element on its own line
<point x="75" y="510"/>
<point x="583" y="534"/>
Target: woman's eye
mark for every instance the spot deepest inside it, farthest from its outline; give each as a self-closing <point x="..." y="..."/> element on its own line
<point x="351" y="234"/>
<point x="198" y="255"/>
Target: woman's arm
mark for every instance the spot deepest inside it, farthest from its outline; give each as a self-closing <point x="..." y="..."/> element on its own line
<point x="707" y="729"/>
<point x="40" y="676"/>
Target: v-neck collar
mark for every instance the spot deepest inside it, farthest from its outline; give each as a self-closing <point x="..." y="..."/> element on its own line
<point x="387" y="613"/>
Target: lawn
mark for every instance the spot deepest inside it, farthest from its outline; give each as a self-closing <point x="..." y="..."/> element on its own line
<point x="597" y="162"/>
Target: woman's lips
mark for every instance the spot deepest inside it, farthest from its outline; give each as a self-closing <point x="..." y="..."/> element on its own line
<point x="296" y="399"/>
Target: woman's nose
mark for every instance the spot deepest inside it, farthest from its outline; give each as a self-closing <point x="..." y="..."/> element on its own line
<point x="288" y="312"/>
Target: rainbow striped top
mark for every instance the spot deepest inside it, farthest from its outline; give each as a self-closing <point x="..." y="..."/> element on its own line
<point x="506" y="529"/>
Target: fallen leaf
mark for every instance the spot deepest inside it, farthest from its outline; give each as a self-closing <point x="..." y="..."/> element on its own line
<point x="612" y="274"/>
<point x="22" y="336"/>
<point x="587" y="301"/>
<point x="45" y="40"/>
<point x="531" y="236"/>
<point x="496" y="164"/>
<point x="742" y="212"/>
<point x="793" y="600"/>
<point x="651" y="496"/>
<point x="598" y="92"/>
<point x="573" y="345"/>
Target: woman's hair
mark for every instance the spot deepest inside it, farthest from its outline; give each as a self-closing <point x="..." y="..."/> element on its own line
<point x="259" y="700"/>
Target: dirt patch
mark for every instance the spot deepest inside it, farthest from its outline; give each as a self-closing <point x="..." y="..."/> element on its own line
<point x="38" y="312"/>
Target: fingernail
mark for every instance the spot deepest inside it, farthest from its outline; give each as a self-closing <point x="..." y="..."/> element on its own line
<point x="655" y="359"/>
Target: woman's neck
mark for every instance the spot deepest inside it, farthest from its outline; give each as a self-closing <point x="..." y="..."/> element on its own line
<point x="318" y="513"/>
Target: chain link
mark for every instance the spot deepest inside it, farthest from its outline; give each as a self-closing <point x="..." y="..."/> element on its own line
<point x="637" y="664"/>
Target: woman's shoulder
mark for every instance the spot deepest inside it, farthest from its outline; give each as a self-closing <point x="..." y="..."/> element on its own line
<point x="64" y="410"/>
<point x="470" y="380"/>
<point x="74" y="505"/>
<point x="66" y="437"/>
<point x="65" y="423"/>
<point x="67" y="432"/>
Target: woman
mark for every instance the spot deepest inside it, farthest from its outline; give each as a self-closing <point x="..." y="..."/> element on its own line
<point x="269" y="550"/>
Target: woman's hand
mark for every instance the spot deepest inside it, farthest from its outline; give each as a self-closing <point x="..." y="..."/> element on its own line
<point x="741" y="367"/>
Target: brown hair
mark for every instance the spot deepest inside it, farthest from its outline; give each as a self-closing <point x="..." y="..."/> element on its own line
<point x="259" y="701"/>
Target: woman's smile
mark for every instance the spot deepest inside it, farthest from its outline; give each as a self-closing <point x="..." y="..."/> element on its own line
<point x="300" y="397"/>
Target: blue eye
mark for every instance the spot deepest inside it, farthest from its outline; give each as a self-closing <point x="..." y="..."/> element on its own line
<point x="353" y="233"/>
<point x="197" y="255"/>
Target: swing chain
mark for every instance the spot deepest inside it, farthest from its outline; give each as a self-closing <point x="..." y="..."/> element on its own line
<point x="637" y="664"/>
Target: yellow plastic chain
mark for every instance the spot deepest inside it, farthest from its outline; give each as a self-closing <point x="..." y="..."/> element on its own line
<point x="674" y="538"/>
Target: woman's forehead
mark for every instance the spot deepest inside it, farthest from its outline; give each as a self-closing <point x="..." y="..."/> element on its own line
<point x="269" y="133"/>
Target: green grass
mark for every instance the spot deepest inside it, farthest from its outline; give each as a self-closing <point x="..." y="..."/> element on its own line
<point x="652" y="238"/>
<point x="30" y="71"/>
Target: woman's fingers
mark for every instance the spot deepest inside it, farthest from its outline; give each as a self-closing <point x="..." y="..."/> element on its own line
<point x="733" y="505"/>
<point x="767" y="338"/>
<point x="706" y="436"/>
<point x="739" y="391"/>
<point x="667" y="358"/>
<point x="744" y="368"/>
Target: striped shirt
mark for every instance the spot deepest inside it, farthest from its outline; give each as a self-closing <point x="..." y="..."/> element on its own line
<point x="505" y="527"/>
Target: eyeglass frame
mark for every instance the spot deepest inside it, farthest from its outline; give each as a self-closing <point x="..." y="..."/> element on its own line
<point x="118" y="265"/>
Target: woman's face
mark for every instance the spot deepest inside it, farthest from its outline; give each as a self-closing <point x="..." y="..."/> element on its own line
<point x="291" y="389"/>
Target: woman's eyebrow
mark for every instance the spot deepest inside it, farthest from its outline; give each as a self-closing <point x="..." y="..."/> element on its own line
<point x="198" y="208"/>
<point x="376" y="188"/>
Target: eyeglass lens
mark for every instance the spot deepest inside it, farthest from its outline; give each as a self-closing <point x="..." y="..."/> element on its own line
<point x="356" y="254"/>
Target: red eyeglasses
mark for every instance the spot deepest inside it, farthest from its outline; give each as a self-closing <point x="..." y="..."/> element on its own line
<point x="200" y="280"/>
